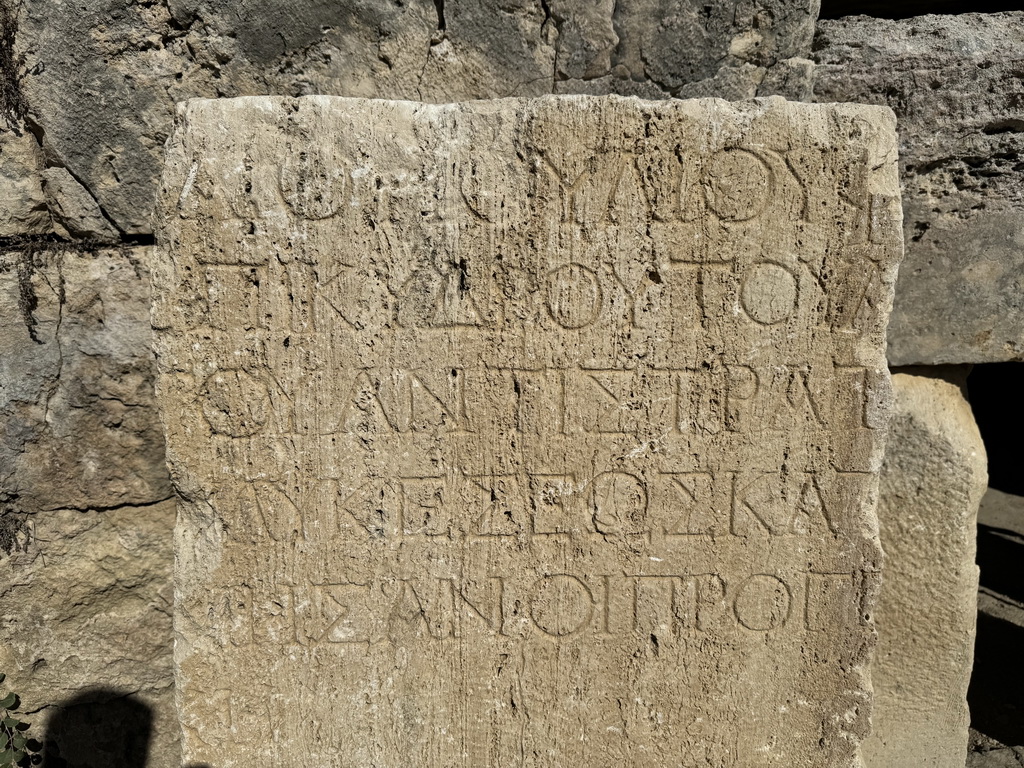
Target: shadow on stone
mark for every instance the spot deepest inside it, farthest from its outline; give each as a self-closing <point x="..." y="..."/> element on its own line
<point x="996" y="695"/>
<point x="995" y="399"/>
<point x="99" y="728"/>
<point x="1000" y="553"/>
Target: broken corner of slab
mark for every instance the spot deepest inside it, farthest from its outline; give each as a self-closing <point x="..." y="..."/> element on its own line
<point x="526" y="432"/>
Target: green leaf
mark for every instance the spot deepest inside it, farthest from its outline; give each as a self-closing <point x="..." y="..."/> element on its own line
<point x="8" y="701"/>
<point x="11" y="722"/>
<point x="19" y="742"/>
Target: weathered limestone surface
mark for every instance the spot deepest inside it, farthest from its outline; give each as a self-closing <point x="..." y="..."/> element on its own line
<point x="85" y="601"/>
<point x="526" y="432"/>
<point x="75" y="212"/>
<point x="101" y="76"/>
<point x="85" y="552"/>
<point x="662" y="48"/>
<point x="76" y="402"/>
<point x="932" y="481"/>
<point x="22" y="202"/>
<point x="955" y="85"/>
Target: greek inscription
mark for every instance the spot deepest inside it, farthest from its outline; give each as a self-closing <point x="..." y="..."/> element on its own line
<point x="231" y="608"/>
<point x="413" y="617"/>
<point x="405" y="401"/>
<point x="669" y="605"/>
<point x="241" y="185"/>
<point x="481" y="188"/>
<point x="539" y="428"/>
<point x="574" y="296"/>
<point x="424" y="510"/>
<point x="674" y="505"/>
<point x="769" y="293"/>
<point x="773" y="505"/>
<point x="313" y="179"/>
<point x="609" y="398"/>
<point x="279" y="511"/>
<point x="361" y="509"/>
<point x="596" y="191"/>
<point x="620" y="503"/>
<point x="500" y="516"/>
<point x="333" y="613"/>
<point x="692" y="504"/>
<point x="235" y="403"/>
<point x="561" y="605"/>
<point x="705" y="400"/>
<point x="853" y="304"/>
<point x="447" y="297"/>
<point x="762" y="602"/>
<point x="739" y="184"/>
<point x="550" y="498"/>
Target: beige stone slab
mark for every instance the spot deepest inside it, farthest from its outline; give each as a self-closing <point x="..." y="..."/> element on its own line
<point x="932" y="482"/>
<point x="527" y="432"/>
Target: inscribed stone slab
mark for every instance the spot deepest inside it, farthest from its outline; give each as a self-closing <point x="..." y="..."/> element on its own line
<point x="525" y="433"/>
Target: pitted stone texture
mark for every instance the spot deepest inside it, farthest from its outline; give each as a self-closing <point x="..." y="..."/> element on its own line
<point x="85" y="601"/>
<point x="85" y="544"/>
<point x="75" y="213"/>
<point x="525" y="433"/>
<point x="732" y="50"/>
<point x="22" y="202"/>
<point x="102" y="76"/>
<point x="932" y="482"/>
<point x="954" y="83"/>
<point x="76" y="381"/>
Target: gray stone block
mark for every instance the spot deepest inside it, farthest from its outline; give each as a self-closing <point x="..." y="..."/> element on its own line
<point x="956" y="87"/>
<point x="85" y="601"/>
<point x="76" y="381"/>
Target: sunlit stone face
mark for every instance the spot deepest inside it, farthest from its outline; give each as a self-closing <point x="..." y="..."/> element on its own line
<point x="527" y="432"/>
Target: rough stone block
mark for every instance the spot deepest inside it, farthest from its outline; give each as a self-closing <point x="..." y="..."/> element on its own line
<point x="22" y="202"/>
<point x="732" y="50"/>
<point x="75" y="212"/>
<point x="101" y="78"/>
<point x="76" y="381"/>
<point x="85" y="601"/>
<point x="525" y="432"/>
<point x="955" y="85"/>
<point x="932" y="481"/>
<point x="85" y="542"/>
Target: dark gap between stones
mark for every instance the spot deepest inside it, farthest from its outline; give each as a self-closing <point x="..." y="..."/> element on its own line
<point x="996" y="392"/>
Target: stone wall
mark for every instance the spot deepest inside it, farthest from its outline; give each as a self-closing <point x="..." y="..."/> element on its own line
<point x="954" y="83"/>
<point x="86" y="96"/>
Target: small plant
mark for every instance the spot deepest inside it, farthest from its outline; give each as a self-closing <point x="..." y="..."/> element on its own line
<point x="16" y="749"/>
